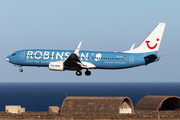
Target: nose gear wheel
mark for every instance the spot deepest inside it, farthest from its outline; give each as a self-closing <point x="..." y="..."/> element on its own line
<point x="20" y="70"/>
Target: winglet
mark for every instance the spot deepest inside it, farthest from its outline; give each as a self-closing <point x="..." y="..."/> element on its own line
<point x="77" y="48"/>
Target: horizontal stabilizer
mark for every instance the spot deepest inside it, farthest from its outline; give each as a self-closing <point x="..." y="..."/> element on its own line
<point x="132" y="47"/>
<point x="151" y="58"/>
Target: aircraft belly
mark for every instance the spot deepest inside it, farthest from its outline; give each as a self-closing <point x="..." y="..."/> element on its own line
<point x="137" y="61"/>
<point x="110" y="65"/>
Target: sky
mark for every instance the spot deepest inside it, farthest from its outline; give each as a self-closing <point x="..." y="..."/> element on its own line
<point x="102" y="25"/>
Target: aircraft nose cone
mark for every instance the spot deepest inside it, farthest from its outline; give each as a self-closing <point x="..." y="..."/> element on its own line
<point x="7" y="58"/>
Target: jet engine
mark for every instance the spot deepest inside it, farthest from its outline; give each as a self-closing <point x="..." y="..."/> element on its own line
<point x="59" y="66"/>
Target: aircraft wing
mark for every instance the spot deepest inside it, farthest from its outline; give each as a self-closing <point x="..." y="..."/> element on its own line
<point x="73" y="60"/>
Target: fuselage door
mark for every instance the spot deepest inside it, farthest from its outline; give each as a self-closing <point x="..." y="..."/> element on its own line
<point x="22" y="55"/>
<point x="131" y="59"/>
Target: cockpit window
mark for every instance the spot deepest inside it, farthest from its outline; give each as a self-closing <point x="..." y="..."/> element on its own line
<point x="13" y="54"/>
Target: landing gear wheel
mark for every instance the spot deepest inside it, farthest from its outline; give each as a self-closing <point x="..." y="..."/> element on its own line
<point x="88" y="73"/>
<point x="20" y="70"/>
<point x="78" y="73"/>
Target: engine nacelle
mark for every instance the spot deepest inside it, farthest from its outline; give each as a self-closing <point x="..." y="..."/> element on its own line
<point x="59" y="66"/>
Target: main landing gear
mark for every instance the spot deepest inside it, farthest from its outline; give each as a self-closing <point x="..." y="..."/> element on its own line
<point x="87" y="73"/>
<point x="78" y="73"/>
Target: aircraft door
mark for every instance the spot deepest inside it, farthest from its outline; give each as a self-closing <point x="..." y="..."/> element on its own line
<point x="131" y="59"/>
<point x="22" y="55"/>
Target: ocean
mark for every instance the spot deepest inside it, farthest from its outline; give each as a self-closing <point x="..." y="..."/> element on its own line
<point x="37" y="97"/>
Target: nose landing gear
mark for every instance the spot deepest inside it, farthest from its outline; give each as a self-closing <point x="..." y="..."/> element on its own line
<point x="21" y="70"/>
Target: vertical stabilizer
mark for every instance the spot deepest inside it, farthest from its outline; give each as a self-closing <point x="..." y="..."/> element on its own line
<point x="152" y="42"/>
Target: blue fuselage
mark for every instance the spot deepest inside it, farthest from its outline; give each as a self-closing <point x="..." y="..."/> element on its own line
<point x="102" y="60"/>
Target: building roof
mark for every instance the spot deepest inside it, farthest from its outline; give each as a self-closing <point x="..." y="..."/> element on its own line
<point x="158" y="102"/>
<point x="76" y="105"/>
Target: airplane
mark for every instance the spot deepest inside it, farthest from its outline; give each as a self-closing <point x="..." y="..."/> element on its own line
<point x="61" y="60"/>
